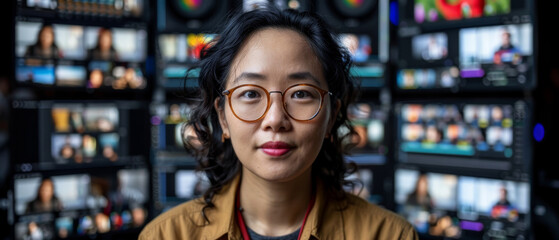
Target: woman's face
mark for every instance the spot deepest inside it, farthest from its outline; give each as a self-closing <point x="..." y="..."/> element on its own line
<point x="276" y="59"/>
<point x="422" y="186"/>
<point x="96" y="78"/>
<point x="105" y="41"/>
<point x="46" y="191"/>
<point x="46" y="37"/>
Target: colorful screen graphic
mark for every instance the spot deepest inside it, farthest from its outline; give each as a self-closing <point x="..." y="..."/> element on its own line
<point x="440" y="10"/>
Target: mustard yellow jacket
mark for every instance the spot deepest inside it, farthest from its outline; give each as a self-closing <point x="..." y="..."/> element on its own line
<point x="359" y="220"/>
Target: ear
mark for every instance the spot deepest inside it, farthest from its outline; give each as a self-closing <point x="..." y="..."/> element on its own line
<point x="334" y="115"/>
<point x="221" y="116"/>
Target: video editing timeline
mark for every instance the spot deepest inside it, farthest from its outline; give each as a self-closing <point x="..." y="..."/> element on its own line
<point x="463" y="207"/>
<point x="487" y="49"/>
<point x="472" y="59"/>
<point x="492" y="136"/>
<point x="81" y="134"/>
<point x="82" y="203"/>
<point x="78" y="56"/>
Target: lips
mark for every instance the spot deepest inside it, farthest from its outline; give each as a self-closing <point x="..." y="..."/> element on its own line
<point x="276" y="149"/>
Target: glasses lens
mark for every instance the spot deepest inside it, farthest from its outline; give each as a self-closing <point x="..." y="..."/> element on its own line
<point x="249" y="102"/>
<point x="302" y="102"/>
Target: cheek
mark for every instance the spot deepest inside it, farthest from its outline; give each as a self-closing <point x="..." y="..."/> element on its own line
<point x="237" y="129"/>
<point x="312" y="133"/>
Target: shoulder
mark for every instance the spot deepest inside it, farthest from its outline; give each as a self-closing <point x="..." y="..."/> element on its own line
<point x="173" y="223"/>
<point x="381" y="222"/>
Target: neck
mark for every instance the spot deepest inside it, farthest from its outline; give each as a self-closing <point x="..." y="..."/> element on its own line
<point x="274" y="208"/>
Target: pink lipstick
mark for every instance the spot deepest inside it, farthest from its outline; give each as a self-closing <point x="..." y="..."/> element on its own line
<point x="276" y="149"/>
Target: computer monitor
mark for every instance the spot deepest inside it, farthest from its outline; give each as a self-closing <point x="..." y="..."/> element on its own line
<point x="450" y="206"/>
<point x="77" y="135"/>
<point x="96" y="202"/>
<point x="486" y="58"/>
<point x="497" y="56"/>
<point x="82" y="58"/>
<point x="490" y="136"/>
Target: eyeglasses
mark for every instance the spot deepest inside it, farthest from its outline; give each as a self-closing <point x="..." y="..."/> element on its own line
<point x="250" y="103"/>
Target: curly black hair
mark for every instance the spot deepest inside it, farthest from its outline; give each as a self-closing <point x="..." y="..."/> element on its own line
<point x="216" y="158"/>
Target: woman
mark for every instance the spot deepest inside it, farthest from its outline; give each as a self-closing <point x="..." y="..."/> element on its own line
<point x="104" y="50"/>
<point x="275" y="88"/>
<point x="45" y="201"/>
<point x="420" y="196"/>
<point x="44" y="47"/>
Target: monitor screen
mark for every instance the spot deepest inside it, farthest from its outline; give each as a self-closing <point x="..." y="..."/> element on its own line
<point x="76" y="56"/>
<point x="490" y="135"/>
<point x="49" y="41"/>
<point x="53" y="206"/>
<point x="118" y="44"/>
<point x="70" y="135"/>
<point x="497" y="55"/>
<point x="462" y="207"/>
<point x="85" y="133"/>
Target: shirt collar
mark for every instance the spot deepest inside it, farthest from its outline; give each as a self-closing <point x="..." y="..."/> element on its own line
<point x="324" y="221"/>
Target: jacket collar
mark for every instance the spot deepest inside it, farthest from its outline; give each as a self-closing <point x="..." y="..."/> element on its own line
<point x="324" y="216"/>
<point x="325" y="220"/>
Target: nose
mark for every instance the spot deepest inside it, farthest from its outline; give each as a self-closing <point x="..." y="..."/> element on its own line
<point x="276" y="118"/>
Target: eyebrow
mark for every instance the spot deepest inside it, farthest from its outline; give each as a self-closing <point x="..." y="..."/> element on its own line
<point x="249" y="76"/>
<point x="292" y="76"/>
<point x="303" y="76"/>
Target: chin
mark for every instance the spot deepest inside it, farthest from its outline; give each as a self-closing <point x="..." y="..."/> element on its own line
<point x="284" y="174"/>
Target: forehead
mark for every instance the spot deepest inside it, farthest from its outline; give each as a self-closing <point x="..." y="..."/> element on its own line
<point x="276" y="53"/>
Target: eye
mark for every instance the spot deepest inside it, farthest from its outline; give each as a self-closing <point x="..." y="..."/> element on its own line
<point x="250" y="94"/>
<point x="301" y="94"/>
